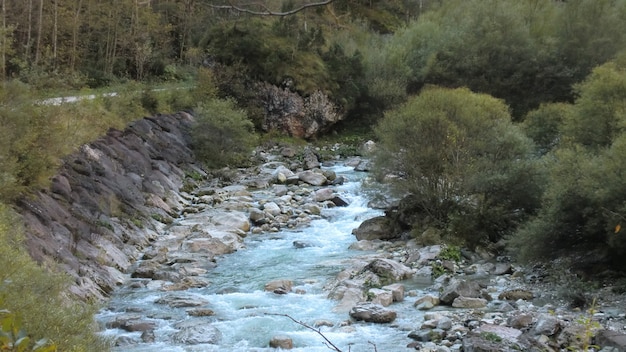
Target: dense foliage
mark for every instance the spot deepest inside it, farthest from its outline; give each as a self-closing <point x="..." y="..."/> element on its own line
<point x="463" y="161"/>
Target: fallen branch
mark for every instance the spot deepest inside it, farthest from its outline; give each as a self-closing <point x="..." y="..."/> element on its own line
<point x="328" y="343"/>
<point x="266" y="11"/>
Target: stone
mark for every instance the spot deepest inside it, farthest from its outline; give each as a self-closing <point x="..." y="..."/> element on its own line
<point x="469" y="302"/>
<point x="279" y="286"/>
<point x="514" y="295"/>
<point x="520" y="321"/>
<point x="372" y="313"/>
<point x="282" y="342"/>
<point x="271" y="208"/>
<point x="397" y="291"/>
<point x="257" y="216"/>
<point x="546" y="325"/>
<point x="502" y="332"/>
<point x="232" y="220"/>
<point x="458" y="288"/>
<point x="431" y="300"/>
<point x="608" y="338"/>
<point x="196" y="331"/>
<point x="323" y="194"/>
<point x="379" y="296"/>
<point x="340" y="201"/>
<point x="389" y="271"/>
<point x="312" y="178"/>
<point x="181" y="300"/>
<point x="377" y="228"/>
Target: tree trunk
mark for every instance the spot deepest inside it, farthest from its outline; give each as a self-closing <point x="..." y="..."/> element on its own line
<point x="39" y="33"/>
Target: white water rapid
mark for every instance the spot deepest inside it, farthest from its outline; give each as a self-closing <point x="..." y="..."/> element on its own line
<point x="243" y="310"/>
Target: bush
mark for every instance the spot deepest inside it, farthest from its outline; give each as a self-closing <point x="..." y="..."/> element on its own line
<point x="38" y="297"/>
<point x="222" y="135"/>
<point x="467" y="166"/>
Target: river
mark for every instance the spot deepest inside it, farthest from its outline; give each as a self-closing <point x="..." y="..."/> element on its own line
<point x="244" y="314"/>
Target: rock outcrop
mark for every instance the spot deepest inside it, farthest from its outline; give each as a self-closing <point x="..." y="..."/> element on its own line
<point x="108" y="201"/>
<point x="287" y="111"/>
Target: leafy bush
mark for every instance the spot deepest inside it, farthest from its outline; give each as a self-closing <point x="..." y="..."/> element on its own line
<point x="38" y="297"/>
<point x="467" y="166"/>
<point x="222" y="134"/>
<point x="583" y="206"/>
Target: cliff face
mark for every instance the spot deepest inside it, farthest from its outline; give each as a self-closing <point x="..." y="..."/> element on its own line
<point x="109" y="200"/>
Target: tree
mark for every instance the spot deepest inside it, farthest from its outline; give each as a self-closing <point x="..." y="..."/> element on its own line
<point x="462" y="160"/>
<point x="222" y="135"/>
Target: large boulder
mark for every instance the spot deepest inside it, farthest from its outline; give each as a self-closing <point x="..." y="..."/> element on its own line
<point x="460" y="288"/>
<point x="377" y="228"/>
<point x="389" y="271"/>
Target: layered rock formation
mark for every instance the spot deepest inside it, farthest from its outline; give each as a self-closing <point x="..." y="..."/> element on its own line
<point x="108" y="201"/>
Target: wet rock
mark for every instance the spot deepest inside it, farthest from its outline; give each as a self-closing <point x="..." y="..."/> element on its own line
<point x="279" y="286"/>
<point x="282" y="342"/>
<point x="302" y="244"/>
<point x="200" y="312"/>
<point x="517" y="294"/>
<point x="340" y="201"/>
<point x="372" y="313"/>
<point x="196" y="331"/>
<point x="181" y="300"/>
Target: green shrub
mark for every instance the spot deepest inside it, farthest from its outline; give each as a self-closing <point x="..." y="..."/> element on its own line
<point x="222" y="134"/>
<point x="38" y="298"/>
<point x="467" y="166"/>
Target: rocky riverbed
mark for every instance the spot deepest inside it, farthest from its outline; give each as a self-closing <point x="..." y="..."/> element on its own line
<point x="133" y="210"/>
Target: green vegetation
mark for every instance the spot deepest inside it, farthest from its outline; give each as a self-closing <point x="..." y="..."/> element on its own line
<point x="465" y="163"/>
<point x="34" y="299"/>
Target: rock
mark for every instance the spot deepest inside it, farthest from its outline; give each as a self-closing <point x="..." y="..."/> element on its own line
<point x="312" y="178"/>
<point x="323" y="194"/>
<point x="232" y="220"/>
<point x="313" y="209"/>
<point x="469" y="302"/>
<point x="257" y="216"/>
<point x="502" y="269"/>
<point x="302" y="244"/>
<point x="503" y="332"/>
<point x="340" y="201"/>
<point x="432" y="300"/>
<point x="200" y="312"/>
<point x="348" y="296"/>
<point x="181" y="300"/>
<point x="279" y="286"/>
<point x="372" y="313"/>
<point x="458" y="288"/>
<point x="489" y="342"/>
<point x="377" y="228"/>
<point x="282" y="342"/>
<point x="520" y="321"/>
<point x="546" y="325"/>
<point x="514" y="295"/>
<point x="196" y="331"/>
<point x="271" y="208"/>
<point x="379" y="296"/>
<point x="388" y="271"/>
<point x="288" y="112"/>
<point x="608" y="338"/>
<point x="397" y="291"/>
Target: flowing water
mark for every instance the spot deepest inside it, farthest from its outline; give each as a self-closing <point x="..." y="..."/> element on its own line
<point x="245" y="313"/>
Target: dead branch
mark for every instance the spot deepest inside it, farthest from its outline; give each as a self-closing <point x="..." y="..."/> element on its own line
<point x="266" y="11"/>
<point x="328" y="343"/>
